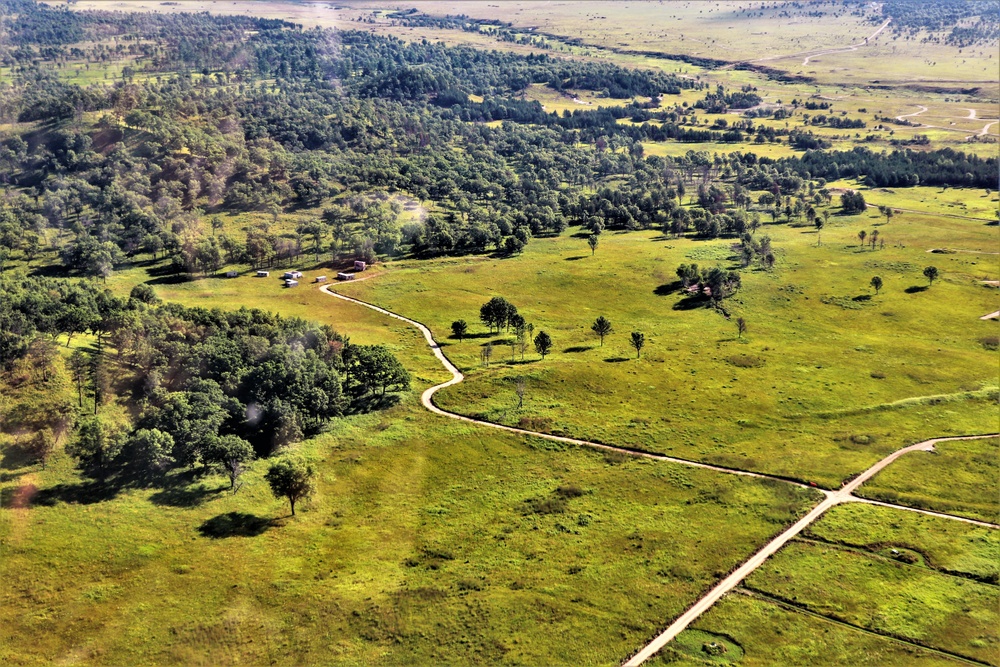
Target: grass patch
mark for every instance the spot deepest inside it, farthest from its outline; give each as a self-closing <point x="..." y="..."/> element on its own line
<point x="887" y="597"/>
<point x="959" y="477"/>
<point x="771" y="634"/>
<point x="943" y="544"/>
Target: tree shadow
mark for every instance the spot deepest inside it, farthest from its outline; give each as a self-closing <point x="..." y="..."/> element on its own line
<point x="668" y="288"/>
<point x="579" y="348"/>
<point x="234" y="524"/>
<point x="371" y="403"/>
<point x="616" y="360"/>
<point x="185" y="495"/>
<point x="84" y="493"/>
<point x="691" y="303"/>
<point x="576" y="257"/>
<point x="479" y="335"/>
<point x="862" y="297"/>
<point x="916" y="289"/>
<point x="14" y="457"/>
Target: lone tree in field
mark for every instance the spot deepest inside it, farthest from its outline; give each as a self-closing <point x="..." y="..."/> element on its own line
<point x="862" y="235"/>
<point x="931" y="273"/>
<point x="741" y="327"/>
<point x="543" y="343"/>
<point x="819" y="222"/>
<point x="592" y="241"/>
<point x="887" y="212"/>
<point x="876" y="282"/>
<point x="601" y="327"/>
<point x="874" y="238"/>
<point x="638" y="341"/>
<point x="290" y="478"/>
<point x="459" y="328"/>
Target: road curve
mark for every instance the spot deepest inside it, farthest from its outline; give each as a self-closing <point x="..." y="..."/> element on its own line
<point x="844" y="494"/>
<point x="427" y="399"/>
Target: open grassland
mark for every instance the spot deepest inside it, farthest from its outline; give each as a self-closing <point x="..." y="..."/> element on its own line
<point x="427" y="542"/>
<point x="946" y="612"/>
<point x="959" y="477"/>
<point x="874" y="574"/>
<point x="950" y="546"/>
<point x="830" y="378"/>
<point x="770" y="634"/>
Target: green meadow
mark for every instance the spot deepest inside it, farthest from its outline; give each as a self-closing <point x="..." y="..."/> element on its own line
<point x="959" y="477"/>
<point x="829" y="378"/>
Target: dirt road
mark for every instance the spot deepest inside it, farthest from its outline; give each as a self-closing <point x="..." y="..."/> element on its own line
<point x="809" y="55"/>
<point x="769" y="549"/>
<point x="427" y="399"/>
<point x="842" y="495"/>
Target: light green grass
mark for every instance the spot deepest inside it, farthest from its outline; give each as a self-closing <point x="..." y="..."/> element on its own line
<point x="770" y="634"/>
<point x="960" y="477"/>
<point x="418" y="548"/>
<point x="944" y="544"/>
<point x="914" y="603"/>
<point x="835" y="360"/>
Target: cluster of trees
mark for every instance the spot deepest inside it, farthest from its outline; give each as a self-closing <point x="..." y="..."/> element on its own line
<point x="715" y="283"/>
<point x="282" y="117"/>
<point x="853" y="202"/>
<point x="214" y="387"/>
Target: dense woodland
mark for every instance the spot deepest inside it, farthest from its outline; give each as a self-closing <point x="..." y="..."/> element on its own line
<point x="217" y="114"/>
<point x="207" y="384"/>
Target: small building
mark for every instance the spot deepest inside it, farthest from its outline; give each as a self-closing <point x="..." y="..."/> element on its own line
<point x="263" y="274"/>
<point x="345" y="276"/>
<point x="292" y="275"/>
<point x="359" y="265"/>
<point x="232" y="274"/>
<point x="321" y="279"/>
<point x="291" y="283"/>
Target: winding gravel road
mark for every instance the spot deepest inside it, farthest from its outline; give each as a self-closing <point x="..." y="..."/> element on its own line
<point x="842" y="495"/>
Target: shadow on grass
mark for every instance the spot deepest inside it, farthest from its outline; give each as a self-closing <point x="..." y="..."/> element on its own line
<point x="668" y="288"/>
<point x="691" y="303"/>
<point x="862" y="297"/>
<point x="185" y="495"/>
<point x="14" y="457"/>
<point x="616" y="360"/>
<point x="576" y="257"/>
<point x="234" y="524"/>
<point x="579" y="348"/>
<point x="916" y="289"/>
<point x="372" y="402"/>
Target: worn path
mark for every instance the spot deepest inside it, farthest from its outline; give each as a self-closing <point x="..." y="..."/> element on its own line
<point x="842" y="495"/>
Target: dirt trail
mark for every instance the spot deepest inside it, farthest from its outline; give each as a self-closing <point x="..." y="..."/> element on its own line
<point x="839" y="49"/>
<point x="427" y="399"/>
<point x="915" y="113"/>
<point x="842" y="495"/>
<point x="769" y="549"/>
<point x="852" y="47"/>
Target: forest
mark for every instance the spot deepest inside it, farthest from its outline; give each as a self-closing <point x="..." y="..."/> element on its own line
<point x="235" y="114"/>
<point x="212" y="387"/>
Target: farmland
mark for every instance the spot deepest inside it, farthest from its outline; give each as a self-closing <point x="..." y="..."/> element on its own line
<point x="697" y="266"/>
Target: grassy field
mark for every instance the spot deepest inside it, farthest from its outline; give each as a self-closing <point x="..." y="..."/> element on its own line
<point x="417" y="548"/>
<point x="830" y="377"/>
<point x="950" y="613"/>
<point x="850" y="599"/>
<point x="959" y="477"/>
<point x="770" y="634"/>
<point x="943" y="544"/>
